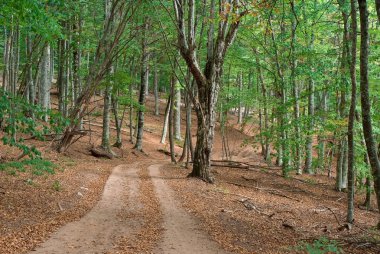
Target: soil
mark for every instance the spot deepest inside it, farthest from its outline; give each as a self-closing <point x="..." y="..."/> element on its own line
<point x="141" y="203"/>
<point x="183" y="234"/>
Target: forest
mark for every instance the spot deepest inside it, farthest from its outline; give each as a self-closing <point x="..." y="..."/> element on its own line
<point x="155" y="126"/>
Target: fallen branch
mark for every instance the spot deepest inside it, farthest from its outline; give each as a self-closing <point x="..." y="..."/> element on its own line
<point x="59" y="206"/>
<point x="229" y="166"/>
<point x="271" y="191"/>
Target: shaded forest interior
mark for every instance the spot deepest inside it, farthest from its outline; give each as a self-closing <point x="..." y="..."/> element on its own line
<point x="269" y="107"/>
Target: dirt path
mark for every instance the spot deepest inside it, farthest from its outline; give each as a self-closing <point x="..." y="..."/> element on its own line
<point x="99" y="230"/>
<point x="183" y="234"/>
<point x="102" y="228"/>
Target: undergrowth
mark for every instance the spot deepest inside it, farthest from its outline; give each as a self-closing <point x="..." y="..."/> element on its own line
<point x="319" y="246"/>
<point x="36" y="166"/>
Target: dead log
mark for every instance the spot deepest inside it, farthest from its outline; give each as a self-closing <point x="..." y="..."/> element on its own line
<point x="101" y="153"/>
<point x="271" y="191"/>
<point x="229" y="166"/>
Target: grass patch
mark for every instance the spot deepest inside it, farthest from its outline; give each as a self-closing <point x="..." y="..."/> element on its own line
<point x="319" y="246"/>
<point x="36" y="166"/>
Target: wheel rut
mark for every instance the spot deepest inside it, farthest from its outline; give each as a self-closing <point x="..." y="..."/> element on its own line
<point x="182" y="232"/>
<point x="99" y="230"/>
<point x="135" y="205"/>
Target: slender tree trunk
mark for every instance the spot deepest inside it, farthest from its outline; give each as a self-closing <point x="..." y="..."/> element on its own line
<point x="365" y="99"/>
<point x="156" y="94"/>
<point x="177" y="113"/>
<point x="293" y="66"/>
<point x="166" y="121"/>
<point x="131" y="112"/>
<point x="351" y="119"/>
<point x="147" y="74"/>
<point x="61" y="80"/>
<point x="321" y="137"/>
<point x="76" y="57"/>
<point x="29" y="75"/>
<point x="267" y="157"/>
<point x="118" y="121"/>
<point x="7" y="46"/>
<point x="171" y="118"/>
<point x="143" y="86"/>
<point x="309" y="139"/>
<point x="45" y="82"/>
<point x="106" y="119"/>
<point x="240" y="109"/>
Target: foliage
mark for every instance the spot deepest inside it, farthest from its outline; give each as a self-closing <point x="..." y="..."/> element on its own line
<point x="19" y="118"/>
<point x="57" y="186"/>
<point x="320" y="246"/>
<point x="36" y="166"/>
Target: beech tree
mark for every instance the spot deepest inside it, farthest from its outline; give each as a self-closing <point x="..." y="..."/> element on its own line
<point x="227" y="18"/>
<point x="365" y="100"/>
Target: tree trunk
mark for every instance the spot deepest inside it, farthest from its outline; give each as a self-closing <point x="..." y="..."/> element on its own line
<point x="6" y="58"/>
<point x="177" y="113"/>
<point x="106" y="119"/>
<point x="293" y="66"/>
<point x="321" y="137"/>
<point x="365" y="100"/>
<point x="30" y="86"/>
<point x="45" y="82"/>
<point x="309" y="139"/>
<point x="166" y="121"/>
<point x="131" y="112"/>
<point x="61" y="80"/>
<point x="143" y="86"/>
<point x="209" y="80"/>
<point x="267" y="152"/>
<point x="240" y="109"/>
<point x="171" y="118"/>
<point x="156" y="94"/>
<point x="147" y="74"/>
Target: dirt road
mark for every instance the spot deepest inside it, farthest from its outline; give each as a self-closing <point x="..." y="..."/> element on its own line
<point x="102" y="228"/>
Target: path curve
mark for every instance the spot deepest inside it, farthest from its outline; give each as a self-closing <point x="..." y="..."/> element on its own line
<point x="182" y="233"/>
<point x="99" y="230"/>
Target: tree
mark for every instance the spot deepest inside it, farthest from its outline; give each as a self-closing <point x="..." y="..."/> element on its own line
<point x="351" y="118"/>
<point x="209" y="80"/>
<point x="365" y="100"/>
<point x="143" y="84"/>
<point x="106" y="51"/>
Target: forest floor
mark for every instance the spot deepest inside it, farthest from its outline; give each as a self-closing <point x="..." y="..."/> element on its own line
<point x="141" y="203"/>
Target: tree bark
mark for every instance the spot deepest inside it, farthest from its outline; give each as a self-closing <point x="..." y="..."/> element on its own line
<point x="208" y="81"/>
<point x="45" y="82"/>
<point x="177" y="113"/>
<point x="166" y="121"/>
<point x="156" y="94"/>
<point x="106" y="119"/>
<point x="365" y="100"/>
<point x="293" y="66"/>
<point x="143" y="86"/>
<point x="240" y="110"/>
<point x="267" y="152"/>
<point x="171" y="118"/>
